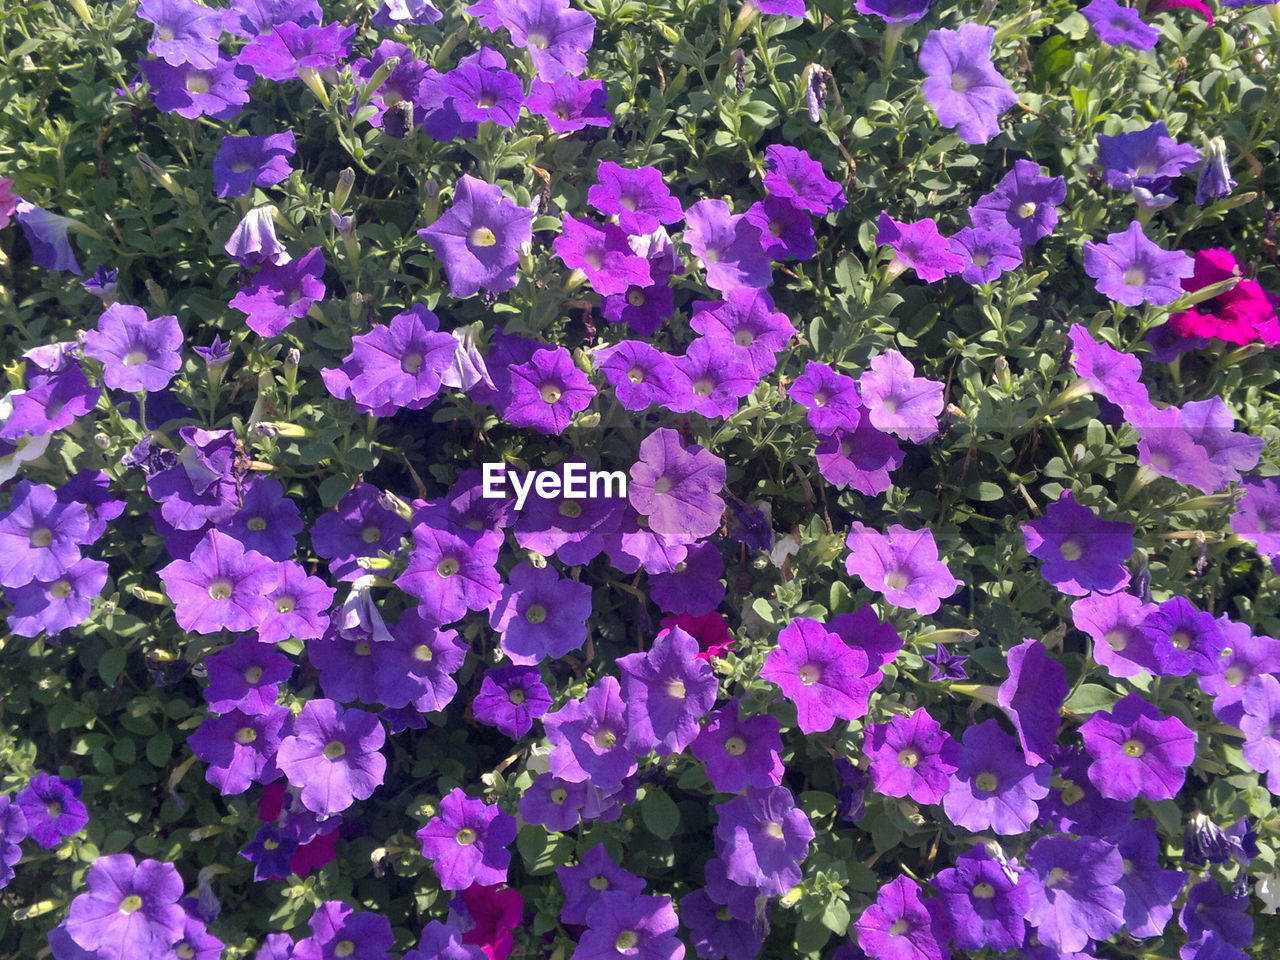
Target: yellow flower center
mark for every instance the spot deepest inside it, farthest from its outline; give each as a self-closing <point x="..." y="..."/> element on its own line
<point x="411" y="363"/>
<point x="635" y="297"/>
<point x="422" y="653"/>
<point x="253" y="674"/>
<point x="986" y="782"/>
<point x="1135" y="277"/>
<point x="220" y="589"/>
<point x="246" y="735"/>
<point x="896" y="580"/>
<point x="370" y="534"/>
<point x="550" y="392"/>
<point x="41" y="537"/>
<point x="198" y="82"/>
<point x="537" y="613"/>
<point x="984" y="891"/>
<point x="1026" y="209"/>
<point x="909" y="757"/>
<point x="735" y="746"/>
<point x="774" y="829"/>
<point x="447" y="567"/>
<point x="676" y="689"/>
<point x="810" y="674"/>
<point x="559" y="795"/>
<point x="627" y="940"/>
<point x="344" y="948"/>
<point x="131" y="904"/>
<point x="285" y="604"/>
<point x="466" y="836"/>
<point x="1071" y="550"/>
<point x="1117" y="639"/>
<point x="334" y="750"/>
<point x="257" y="523"/>
<point x="60" y="589"/>
<point x="1134" y="748"/>
<point x="482" y="237"/>
<point x="570" y="509"/>
<point x="1180" y="639"/>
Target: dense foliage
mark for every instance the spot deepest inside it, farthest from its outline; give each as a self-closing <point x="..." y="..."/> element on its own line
<point x="937" y="344"/>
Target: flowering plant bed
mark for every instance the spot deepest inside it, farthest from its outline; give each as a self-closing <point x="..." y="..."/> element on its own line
<point x="639" y="480"/>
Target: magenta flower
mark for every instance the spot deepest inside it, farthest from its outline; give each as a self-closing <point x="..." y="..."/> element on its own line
<point x="899" y="402"/>
<point x="677" y="487"/>
<point x="222" y="587"/>
<point x="912" y="756"/>
<point x="1081" y="553"/>
<point x="962" y="84"/>
<point x="902" y="565"/>
<point x="919" y="246"/>
<point x="822" y="675"/>
<point x="479" y="238"/>
<point x="1137" y="751"/>
<point x="333" y="756"/>
<point x="467" y="841"/>
<point x="137" y="353"/>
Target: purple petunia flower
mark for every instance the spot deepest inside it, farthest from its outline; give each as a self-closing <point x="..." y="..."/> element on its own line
<point x="546" y="391"/>
<point x="746" y="323"/>
<point x="239" y="749"/>
<point x="818" y="672"/>
<point x="573" y="529"/>
<point x="13" y="830"/>
<point x="333" y="756"/>
<point x="894" y="11"/>
<point x="861" y="458"/>
<point x="556" y="36"/>
<point x="1184" y="639"/>
<point x="290" y="50"/>
<point x="795" y="176"/>
<point x="551" y="802"/>
<point x="786" y="232"/>
<point x="56" y="605"/>
<point x="762" y="837"/>
<point x="128" y="909"/>
<point x="1114" y="622"/>
<point x="246" y="676"/>
<point x="588" y="738"/>
<point x="677" y="487"/>
<point x="267" y="521"/>
<point x="481" y="93"/>
<point x="418" y="12"/>
<point x="297" y="606"/>
<point x="479" y="239"/>
<point x="668" y="690"/>
<point x="339" y="930"/>
<point x="400" y="365"/>
<point x="248" y="18"/>
<point x="693" y="586"/>
<point x="994" y="788"/>
<point x="738" y="752"/>
<point x="245" y="162"/>
<point x="1081" y="553"/>
<point x="729" y="246"/>
<point x="919" y="246"/>
<point x="1119" y="25"/>
<point x="902" y="565"/>
<point x="1074" y="897"/>
<point x="467" y="841"/>
<point x="40" y="536"/>
<point x="222" y="587"/>
<point x="1032" y="696"/>
<point x="962" y="84"/>
<point x="985" y="900"/>
<point x="450" y="574"/>
<point x="52" y="808"/>
<point x="623" y="925"/>
<point x="1137" y="751"/>
<point x="912" y="756"/>
<point x="1116" y="375"/>
<point x="1025" y="201"/>
<point x="1149" y="890"/>
<point x="716" y="932"/>
<point x="987" y="253"/>
<point x="46" y="233"/>
<point x="1131" y="269"/>
<point x="903" y="925"/>
<point x="417" y="668"/>
<point x="899" y="402"/>
<point x="277" y="295"/>
<point x="1257" y="516"/>
<point x="185" y="31"/>
<point x="640" y="374"/>
<point x="253" y="242"/>
<point x="511" y="698"/>
<point x="218" y="91"/>
<point x="569" y="104"/>
<point x="831" y="399"/>
<point x="137" y="353"/>
<point x="604" y="254"/>
<point x="639" y="197"/>
<point x="712" y="379"/>
<point x="1215" y="922"/>
<point x="539" y="615"/>
<point x="1147" y="158"/>
<point x="595" y="876"/>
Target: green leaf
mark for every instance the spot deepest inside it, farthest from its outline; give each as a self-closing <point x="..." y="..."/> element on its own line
<point x="660" y="813"/>
<point x="836" y="917"/>
<point x="112" y="665"/>
<point x="159" y="749"/>
<point x="1090" y="698"/>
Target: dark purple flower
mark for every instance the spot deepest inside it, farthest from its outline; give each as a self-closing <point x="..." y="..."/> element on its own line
<point x="786" y="232"/>
<point x="861" y="458"/>
<point x="338" y="930"/>
<point x="52" y="808"/>
<point x="551" y="802"/>
<point x="740" y="753"/>
<point x="985" y="900"/>
<point x="945" y="665"/>
<point x="1183" y="639"/>
<point x="962" y="84"/>
<point x="713" y="378"/>
<point x="623" y="925"/>
<point x="1149" y="890"/>
<point x="693" y="586"/>
<point x="417" y="668"/>
<point x="668" y="690"/>
<point x="831" y="399"/>
<point x="588" y="737"/>
<point x="640" y="374"/>
<point x="267" y="521"/>
<point x="137" y="353"/>
<point x="604" y="254"/>
<point x="222" y="587"/>
<point x="56" y="605"/>
<point x="511" y="698"/>
<point x="467" y="841"/>
<point x="1081" y="553"/>
<point x="218" y="91"/>
<point x="248" y="18"/>
<point x="239" y="749"/>
<point x="595" y="876"/>
<point x="479" y="239"/>
<point x="246" y="676"/>
<point x="1024" y="201"/>
<point x="333" y="756"/>
<point x="793" y="175"/>
<point x="1137" y="751"/>
<point x="278" y="295"/>
<point x="245" y="162"/>
<point x="716" y="932"/>
<point x="481" y="94"/>
<point x="13" y="830"/>
<point x="40" y="536"/>
<point x="1215" y="922"/>
<point x="288" y="50"/>
<point x="46" y="232"/>
<point x="894" y="11"/>
<point x="1142" y="158"/>
<point x="450" y="574"/>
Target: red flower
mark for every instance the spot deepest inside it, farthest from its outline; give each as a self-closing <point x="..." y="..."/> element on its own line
<point x="709" y="629"/>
